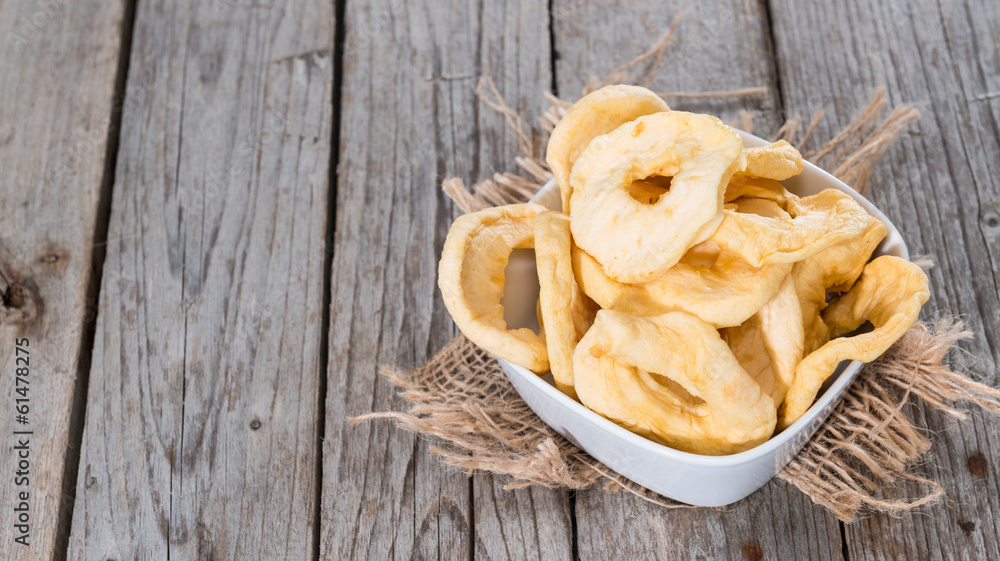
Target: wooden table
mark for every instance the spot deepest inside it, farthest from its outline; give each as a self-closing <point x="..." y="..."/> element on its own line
<point x="220" y="218"/>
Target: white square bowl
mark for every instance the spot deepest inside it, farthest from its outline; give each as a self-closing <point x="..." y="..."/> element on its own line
<point x="689" y="478"/>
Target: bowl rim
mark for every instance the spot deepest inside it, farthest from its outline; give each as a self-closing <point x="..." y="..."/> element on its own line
<point x="844" y="375"/>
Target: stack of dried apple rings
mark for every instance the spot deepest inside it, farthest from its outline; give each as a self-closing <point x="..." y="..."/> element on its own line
<point x="685" y="294"/>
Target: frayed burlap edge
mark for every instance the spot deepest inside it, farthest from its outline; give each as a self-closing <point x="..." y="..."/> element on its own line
<point x="869" y="443"/>
<point x="461" y="399"/>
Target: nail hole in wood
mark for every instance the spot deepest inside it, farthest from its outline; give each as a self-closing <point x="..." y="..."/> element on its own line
<point x="19" y="302"/>
<point x="15" y="297"/>
<point x="753" y="552"/>
<point x="977" y="465"/>
<point x="53" y="259"/>
<point x="255" y="424"/>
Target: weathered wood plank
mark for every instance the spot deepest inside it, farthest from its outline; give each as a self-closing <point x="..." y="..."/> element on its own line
<point x="940" y="186"/>
<point x="769" y="524"/>
<point x="410" y="118"/>
<point x="58" y="64"/>
<point x="201" y="429"/>
<point x="382" y="281"/>
<point x="720" y="45"/>
<point x="383" y="496"/>
<point x="530" y="523"/>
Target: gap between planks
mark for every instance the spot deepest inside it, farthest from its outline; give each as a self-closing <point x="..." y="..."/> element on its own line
<point x="78" y="411"/>
<point x="783" y="111"/>
<point x="339" y="32"/>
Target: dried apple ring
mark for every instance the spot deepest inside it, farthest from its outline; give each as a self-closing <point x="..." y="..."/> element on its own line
<point x="597" y="113"/>
<point x="832" y="270"/>
<point x="471" y="278"/>
<point x="620" y="366"/>
<point x="816" y="223"/>
<point x="888" y="294"/>
<point x="777" y="331"/>
<point x="555" y="278"/>
<point x="717" y="287"/>
<point x="779" y="160"/>
<point x="636" y="242"/>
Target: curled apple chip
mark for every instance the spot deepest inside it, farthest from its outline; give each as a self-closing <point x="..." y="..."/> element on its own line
<point x="832" y="270"/>
<point x="555" y="278"/>
<point x="759" y="207"/>
<point x="541" y="321"/>
<point x="471" y="278"/>
<point x="634" y="241"/>
<point x="715" y="286"/>
<point x="779" y="160"/>
<point x="809" y="225"/>
<point x="622" y="367"/>
<point x="758" y="188"/>
<point x="769" y="345"/>
<point x="597" y="113"/>
<point x="889" y="295"/>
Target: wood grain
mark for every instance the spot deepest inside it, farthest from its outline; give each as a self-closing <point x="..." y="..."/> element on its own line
<point x="773" y="522"/>
<point x="528" y="523"/>
<point x="410" y="118"/>
<point x="383" y="496"/>
<point x="532" y="523"/>
<point x="201" y="426"/>
<point x="940" y="186"/>
<point x="719" y="45"/>
<point x="56" y="108"/>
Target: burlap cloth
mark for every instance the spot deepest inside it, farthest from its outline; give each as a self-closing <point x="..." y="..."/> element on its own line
<point x="462" y="400"/>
